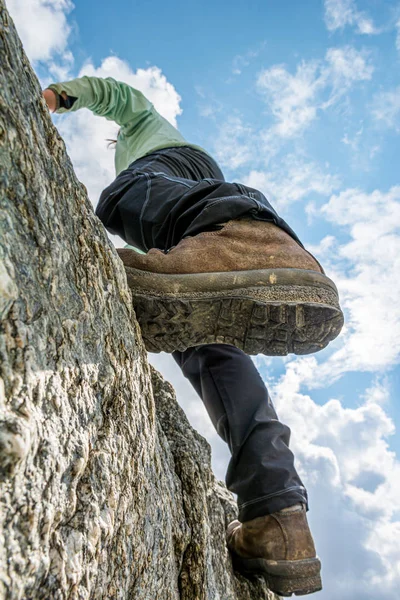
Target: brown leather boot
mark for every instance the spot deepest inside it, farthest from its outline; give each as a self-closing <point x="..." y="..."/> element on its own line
<point x="279" y="547"/>
<point x="248" y="284"/>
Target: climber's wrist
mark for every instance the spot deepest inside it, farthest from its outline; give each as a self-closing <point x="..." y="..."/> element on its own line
<point x="52" y="99"/>
<point x="55" y="101"/>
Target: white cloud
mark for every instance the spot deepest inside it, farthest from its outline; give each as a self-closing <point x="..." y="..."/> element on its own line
<point x="378" y="393"/>
<point x="294" y="100"/>
<point x="208" y="110"/>
<point x="365" y="268"/>
<point x="340" y="13"/>
<point x="151" y="82"/>
<point x="386" y="108"/>
<point x="327" y="244"/>
<point x="291" y="98"/>
<point x="345" y="67"/>
<point x="235" y="144"/>
<point x="292" y="180"/>
<point x="362" y="148"/>
<point x="364" y="430"/>
<point x="61" y="70"/>
<point x="42" y="26"/>
<point x="292" y="103"/>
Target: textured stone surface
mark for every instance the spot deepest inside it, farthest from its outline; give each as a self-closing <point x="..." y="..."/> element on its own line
<point x="106" y="492"/>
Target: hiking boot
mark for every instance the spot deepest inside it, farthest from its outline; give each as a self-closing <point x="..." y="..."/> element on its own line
<point x="280" y="548"/>
<point x="248" y="284"/>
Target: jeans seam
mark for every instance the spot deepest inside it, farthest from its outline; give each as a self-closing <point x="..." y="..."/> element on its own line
<point x="290" y="489"/>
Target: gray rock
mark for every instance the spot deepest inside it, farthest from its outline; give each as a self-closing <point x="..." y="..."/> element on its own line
<point x="106" y="492"/>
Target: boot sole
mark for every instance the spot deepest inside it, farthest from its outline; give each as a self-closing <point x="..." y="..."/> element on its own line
<point x="283" y="577"/>
<point x="271" y="311"/>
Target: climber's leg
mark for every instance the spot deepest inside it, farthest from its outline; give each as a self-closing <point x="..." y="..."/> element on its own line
<point x="272" y="536"/>
<point x="221" y="267"/>
<point x="261" y="471"/>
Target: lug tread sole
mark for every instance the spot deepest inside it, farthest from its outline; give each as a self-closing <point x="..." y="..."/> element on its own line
<point x="285" y="578"/>
<point x="272" y="312"/>
<point x="256" y="327"/>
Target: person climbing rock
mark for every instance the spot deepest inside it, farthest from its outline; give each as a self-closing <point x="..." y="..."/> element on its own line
<point x="216" y="274"/>
<point x="220" y="266"/>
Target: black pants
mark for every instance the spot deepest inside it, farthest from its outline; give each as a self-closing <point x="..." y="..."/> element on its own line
<point x="175" y="192"/>
<point x="154" y="203"/>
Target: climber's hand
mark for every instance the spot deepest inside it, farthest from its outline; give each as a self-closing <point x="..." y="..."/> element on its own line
<point x="51" y="99"/>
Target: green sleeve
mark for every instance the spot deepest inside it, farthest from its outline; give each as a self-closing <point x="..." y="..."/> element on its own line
<point x="107" y="98"/>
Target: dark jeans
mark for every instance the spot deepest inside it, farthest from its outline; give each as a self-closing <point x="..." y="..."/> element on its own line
<point x="156" y="202"/>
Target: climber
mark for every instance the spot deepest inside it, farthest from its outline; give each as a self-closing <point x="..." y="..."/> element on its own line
<point x="220" y="264"/>
<point x="204" y="237"/>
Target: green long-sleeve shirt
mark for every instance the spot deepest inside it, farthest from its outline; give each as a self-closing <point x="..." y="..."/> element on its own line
<point x="142" y="129"/>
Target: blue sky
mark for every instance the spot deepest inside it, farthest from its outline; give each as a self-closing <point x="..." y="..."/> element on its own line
<point x="300" y="100"/>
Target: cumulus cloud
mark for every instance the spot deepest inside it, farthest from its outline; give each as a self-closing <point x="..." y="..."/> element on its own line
<point x="345" y="66"/>
<point x="151" y="82"/>
<point x="365" y="268"/>
<point x="42" y="26"/>
<point x="340" y="13"/>
<point x="356" y="437"/>
<point x="294" y="100"/>
<point x="235" y="144"/>
<point x="292" y="180"/>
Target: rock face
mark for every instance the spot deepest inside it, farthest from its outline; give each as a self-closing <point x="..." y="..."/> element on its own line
<point x="106" y="492"/>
